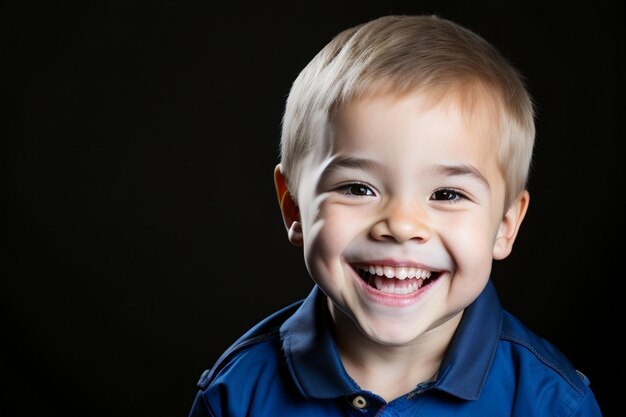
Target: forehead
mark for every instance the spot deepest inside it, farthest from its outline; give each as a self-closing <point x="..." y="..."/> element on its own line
<point x="453" y="112"/>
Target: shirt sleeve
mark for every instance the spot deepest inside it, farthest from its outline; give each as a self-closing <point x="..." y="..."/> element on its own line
<point x="588" y="407"/>
<point x="199" y="408"/>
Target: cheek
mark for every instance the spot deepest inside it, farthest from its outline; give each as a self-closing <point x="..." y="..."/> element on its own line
<point x="471" y="243"/>
<point x="326" y="237"/>
<point x="334" y="229"/>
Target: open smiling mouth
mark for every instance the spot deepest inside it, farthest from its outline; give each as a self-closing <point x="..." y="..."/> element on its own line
<point x="396" y="280"/>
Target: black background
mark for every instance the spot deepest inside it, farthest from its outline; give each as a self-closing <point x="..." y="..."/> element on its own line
<point x="140" y="231"/>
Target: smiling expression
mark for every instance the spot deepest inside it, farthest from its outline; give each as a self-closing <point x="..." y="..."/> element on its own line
<point x="401" y="220"/>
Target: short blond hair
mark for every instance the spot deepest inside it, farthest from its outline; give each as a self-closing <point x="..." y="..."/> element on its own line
<point x="406" y="54"/>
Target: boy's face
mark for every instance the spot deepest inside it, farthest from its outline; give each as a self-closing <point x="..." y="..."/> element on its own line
<point x="401" y="220"/>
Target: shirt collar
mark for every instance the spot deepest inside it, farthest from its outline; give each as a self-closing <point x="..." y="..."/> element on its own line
<point x="465" y="367"/>
<point x="311" y="353"/>
<point x="318" y="372"/>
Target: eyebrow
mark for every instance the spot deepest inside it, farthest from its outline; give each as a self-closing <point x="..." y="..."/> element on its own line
<point x="350" y="163"/>
<point x="462" y="171"/>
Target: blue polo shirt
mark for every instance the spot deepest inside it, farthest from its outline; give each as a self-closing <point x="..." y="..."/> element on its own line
<point x="288" y="365"/>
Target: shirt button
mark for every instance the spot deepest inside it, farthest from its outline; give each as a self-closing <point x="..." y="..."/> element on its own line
<point x="359" y="402"/>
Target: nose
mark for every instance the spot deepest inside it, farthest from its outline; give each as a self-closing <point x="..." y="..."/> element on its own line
<point x="401" y="222"/>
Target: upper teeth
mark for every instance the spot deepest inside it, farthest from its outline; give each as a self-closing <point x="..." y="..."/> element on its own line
<point x="401" y="272"/>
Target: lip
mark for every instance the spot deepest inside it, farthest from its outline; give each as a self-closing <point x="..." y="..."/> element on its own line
<point x="394" y="300"/>
<point x="396" y="263"/>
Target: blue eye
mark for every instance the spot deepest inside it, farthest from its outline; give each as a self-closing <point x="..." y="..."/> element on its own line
<point x="357" y="189"/>
<point x="447" y="194"/>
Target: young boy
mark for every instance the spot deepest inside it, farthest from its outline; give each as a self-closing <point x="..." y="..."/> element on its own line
<point x="406" y="146"/>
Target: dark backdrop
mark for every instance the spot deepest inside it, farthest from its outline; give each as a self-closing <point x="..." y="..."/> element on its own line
<point x="140" y="231"/>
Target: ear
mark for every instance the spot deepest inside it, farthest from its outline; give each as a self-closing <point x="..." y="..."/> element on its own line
<point x="511" y="222"/>
<point x="288" y="208"/>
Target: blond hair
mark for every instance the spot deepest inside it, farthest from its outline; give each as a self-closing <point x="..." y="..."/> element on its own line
<point x="404" y="54"/>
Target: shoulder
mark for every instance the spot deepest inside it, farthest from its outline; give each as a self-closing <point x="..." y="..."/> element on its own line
<point x="260" y="342"/>
<point x="543" y="372"/>
<point x="253" y="361"/>
<point x="537" y="348"/>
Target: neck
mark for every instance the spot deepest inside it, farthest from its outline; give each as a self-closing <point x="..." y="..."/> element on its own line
<point x="391" y="370"/>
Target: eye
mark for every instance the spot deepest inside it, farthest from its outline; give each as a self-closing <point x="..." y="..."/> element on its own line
<point x="447" y="194"/>
<point x="359" y="190"/>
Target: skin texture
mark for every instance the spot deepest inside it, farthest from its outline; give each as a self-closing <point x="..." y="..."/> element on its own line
<point x="406" y="184"/>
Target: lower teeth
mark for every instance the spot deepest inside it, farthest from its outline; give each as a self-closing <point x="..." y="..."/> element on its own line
<point x="395" y="286"/>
